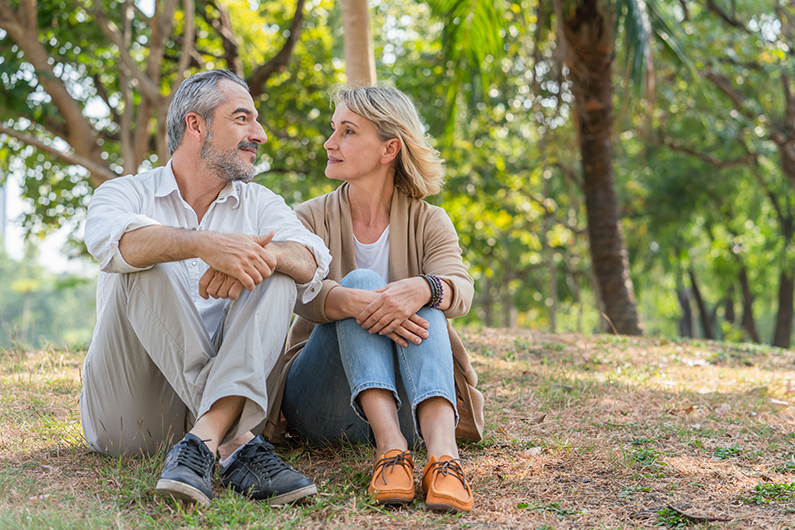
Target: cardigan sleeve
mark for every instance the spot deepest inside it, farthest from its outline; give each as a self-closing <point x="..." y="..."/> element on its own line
<point x="442" y="258"/>
<point x="313" y="310"/>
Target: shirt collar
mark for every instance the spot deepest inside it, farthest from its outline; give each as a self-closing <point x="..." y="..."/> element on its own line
<point x="168" y="185"/>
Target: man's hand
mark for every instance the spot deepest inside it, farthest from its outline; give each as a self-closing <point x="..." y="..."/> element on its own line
<point x="219" y="285"/>
<point x="239" y="257"/>
<point x="223" y="284"/>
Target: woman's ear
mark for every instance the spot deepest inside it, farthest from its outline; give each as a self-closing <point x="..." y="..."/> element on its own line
<point x="391" y="150"/>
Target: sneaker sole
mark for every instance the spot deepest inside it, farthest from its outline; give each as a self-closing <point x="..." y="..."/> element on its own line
<point x="292" y="496"/>
<point x="181" y="491"/>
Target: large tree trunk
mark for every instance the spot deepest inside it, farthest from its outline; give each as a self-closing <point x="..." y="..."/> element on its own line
<point x="590" y="55"/>
<point x="358" y="43"/>
<point x="748" y="322"/>
<point x="786" y="290"/>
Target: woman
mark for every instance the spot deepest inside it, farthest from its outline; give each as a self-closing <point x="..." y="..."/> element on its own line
<point x="384" y="366"/>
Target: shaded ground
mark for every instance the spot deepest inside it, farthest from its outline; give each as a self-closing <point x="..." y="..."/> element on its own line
<point x="582" y="432"/>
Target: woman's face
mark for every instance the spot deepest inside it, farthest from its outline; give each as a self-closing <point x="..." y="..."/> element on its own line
<point x="354" y="149"/>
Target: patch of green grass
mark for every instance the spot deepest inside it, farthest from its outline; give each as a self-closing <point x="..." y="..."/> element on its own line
<point x="671" y="519"/>
<point x="647" y="458"/>
<point x="724" y="453"/>
<point x="786" y="467"/>
<point x="629" y="490"/>
<point x="768" y="492"/>
<point x="552" y="507"/>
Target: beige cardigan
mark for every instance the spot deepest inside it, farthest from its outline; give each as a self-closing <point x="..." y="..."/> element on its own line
<point x="422" y="240"/>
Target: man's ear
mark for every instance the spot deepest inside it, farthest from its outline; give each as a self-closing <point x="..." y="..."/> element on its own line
<point x="195" y="126"/>
<point x="391" y="150"/>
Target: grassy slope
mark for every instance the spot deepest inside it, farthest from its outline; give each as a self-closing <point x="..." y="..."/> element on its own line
<point x="600" y="431"/>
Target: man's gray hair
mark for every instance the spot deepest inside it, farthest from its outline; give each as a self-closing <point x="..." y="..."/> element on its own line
<point x="199" y="93"/>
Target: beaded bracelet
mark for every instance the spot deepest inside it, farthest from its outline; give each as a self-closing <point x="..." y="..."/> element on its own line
<point x="437" y="291"/>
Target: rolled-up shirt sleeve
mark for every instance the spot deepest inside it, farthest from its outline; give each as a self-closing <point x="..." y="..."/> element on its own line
<point x="277" y="216"/>
<point x="115" y="209"/>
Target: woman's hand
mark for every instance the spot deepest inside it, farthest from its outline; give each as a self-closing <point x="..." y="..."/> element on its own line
<point x="344" y="302"/>
<point x="395" y="306"/>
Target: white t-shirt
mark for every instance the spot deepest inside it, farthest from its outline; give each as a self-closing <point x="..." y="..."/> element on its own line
<point x="374" y="256"/>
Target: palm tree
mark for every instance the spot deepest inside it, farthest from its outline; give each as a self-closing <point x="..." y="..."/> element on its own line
<point x="586" y="32"/>
<point x="358" y="43"/>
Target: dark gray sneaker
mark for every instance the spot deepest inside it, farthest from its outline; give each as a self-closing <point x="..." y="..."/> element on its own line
<point x="188" y="472"/>
<point x="259" y="474"/>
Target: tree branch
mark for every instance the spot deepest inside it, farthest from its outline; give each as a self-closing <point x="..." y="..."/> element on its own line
<point x="668" y="142"/>
<point x="223" y="25"/>
<point x="31" y="18"/>
<point x="715" y="8"/>
<point x="257" y="80"/>
<point x="110" y="29"/>
<point x="737" y="97"/>
<point x="101" y="173"/>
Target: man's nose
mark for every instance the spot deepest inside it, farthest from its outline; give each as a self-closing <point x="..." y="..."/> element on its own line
<point x="258" y="134"/>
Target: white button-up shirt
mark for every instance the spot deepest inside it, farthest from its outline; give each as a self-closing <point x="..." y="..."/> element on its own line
<point x="153" y="198"/>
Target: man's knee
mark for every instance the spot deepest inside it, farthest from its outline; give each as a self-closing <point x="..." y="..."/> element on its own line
<point x="363" y="279"/>
<point x="279" y="288"/>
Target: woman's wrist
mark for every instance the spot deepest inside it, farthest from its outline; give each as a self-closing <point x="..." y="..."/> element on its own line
<point x="437" y="290"/>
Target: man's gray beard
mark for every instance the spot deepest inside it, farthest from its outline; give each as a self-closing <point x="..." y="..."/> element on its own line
<point x="225" y="163"/>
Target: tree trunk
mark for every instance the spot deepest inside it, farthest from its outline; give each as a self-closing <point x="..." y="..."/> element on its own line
<point x="748" y="322"/>
<point x="591" y="57"/>
<point x="686" y="322"/>
<point x="703" y="314"/>
<point x="786" y="289"/>
<point x="730" y="316"/>
<point x="358" y="43"/>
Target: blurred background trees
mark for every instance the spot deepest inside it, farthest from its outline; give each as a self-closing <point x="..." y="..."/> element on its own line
<point x="701" y="152"/>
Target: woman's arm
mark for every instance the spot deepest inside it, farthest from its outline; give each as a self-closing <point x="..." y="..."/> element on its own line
<point x="344" y="302"/>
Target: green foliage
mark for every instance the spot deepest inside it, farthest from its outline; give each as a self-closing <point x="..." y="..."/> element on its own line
<point x="766" y="492"/>
<point x="672" y="519"/>
<point x="725" y="453"/>
<point x="39" y="309"/>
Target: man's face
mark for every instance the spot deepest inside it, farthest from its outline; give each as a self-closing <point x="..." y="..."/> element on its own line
<point x="230" y="147"/>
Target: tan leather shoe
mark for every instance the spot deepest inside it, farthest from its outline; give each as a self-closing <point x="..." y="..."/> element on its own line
<point x="393" y="480"/>
<point x="445" y="486"/>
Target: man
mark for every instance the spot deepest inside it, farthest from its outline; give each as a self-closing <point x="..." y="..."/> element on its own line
<point x="198" y="283"/>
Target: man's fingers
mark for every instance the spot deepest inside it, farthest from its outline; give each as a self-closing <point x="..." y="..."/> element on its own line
<point x="235" y="291"/>
<point x="264" y="240"/>
<point x="205" y="281"/>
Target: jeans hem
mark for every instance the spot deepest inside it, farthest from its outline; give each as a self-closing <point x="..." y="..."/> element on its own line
<point x="367" y="386"/>
<point x="422" y="398"/>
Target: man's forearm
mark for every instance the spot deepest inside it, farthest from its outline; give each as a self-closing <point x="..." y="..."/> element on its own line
<point x="150" y="245"/>
<point x="294" y="260"/>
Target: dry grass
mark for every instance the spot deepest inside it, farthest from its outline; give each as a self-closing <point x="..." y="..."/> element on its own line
<point x="582" y="432"/>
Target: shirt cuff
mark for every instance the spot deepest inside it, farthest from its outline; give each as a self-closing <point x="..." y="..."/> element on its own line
<point x="114" y="262"/>
<point x="308" y="291"/>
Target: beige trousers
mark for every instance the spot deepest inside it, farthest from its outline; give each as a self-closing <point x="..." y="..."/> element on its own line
<point x="152" y="366"/>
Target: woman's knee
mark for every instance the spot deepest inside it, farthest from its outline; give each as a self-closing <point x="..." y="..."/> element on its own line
<point x="363" y="279"/>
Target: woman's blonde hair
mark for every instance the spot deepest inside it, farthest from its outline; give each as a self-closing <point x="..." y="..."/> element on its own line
<point x="419" y="170"/>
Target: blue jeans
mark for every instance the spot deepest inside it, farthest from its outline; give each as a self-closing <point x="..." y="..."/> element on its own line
<point x="341" y="359"/>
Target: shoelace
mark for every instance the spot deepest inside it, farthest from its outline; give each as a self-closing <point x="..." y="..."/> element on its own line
<point x="451" y="467"/>
<point x="263" y="459"/>
<point x="191" y="456"/>
<point x="402" y="459"/>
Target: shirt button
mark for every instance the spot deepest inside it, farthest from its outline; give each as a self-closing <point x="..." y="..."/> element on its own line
<point x="194" y="263"/>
